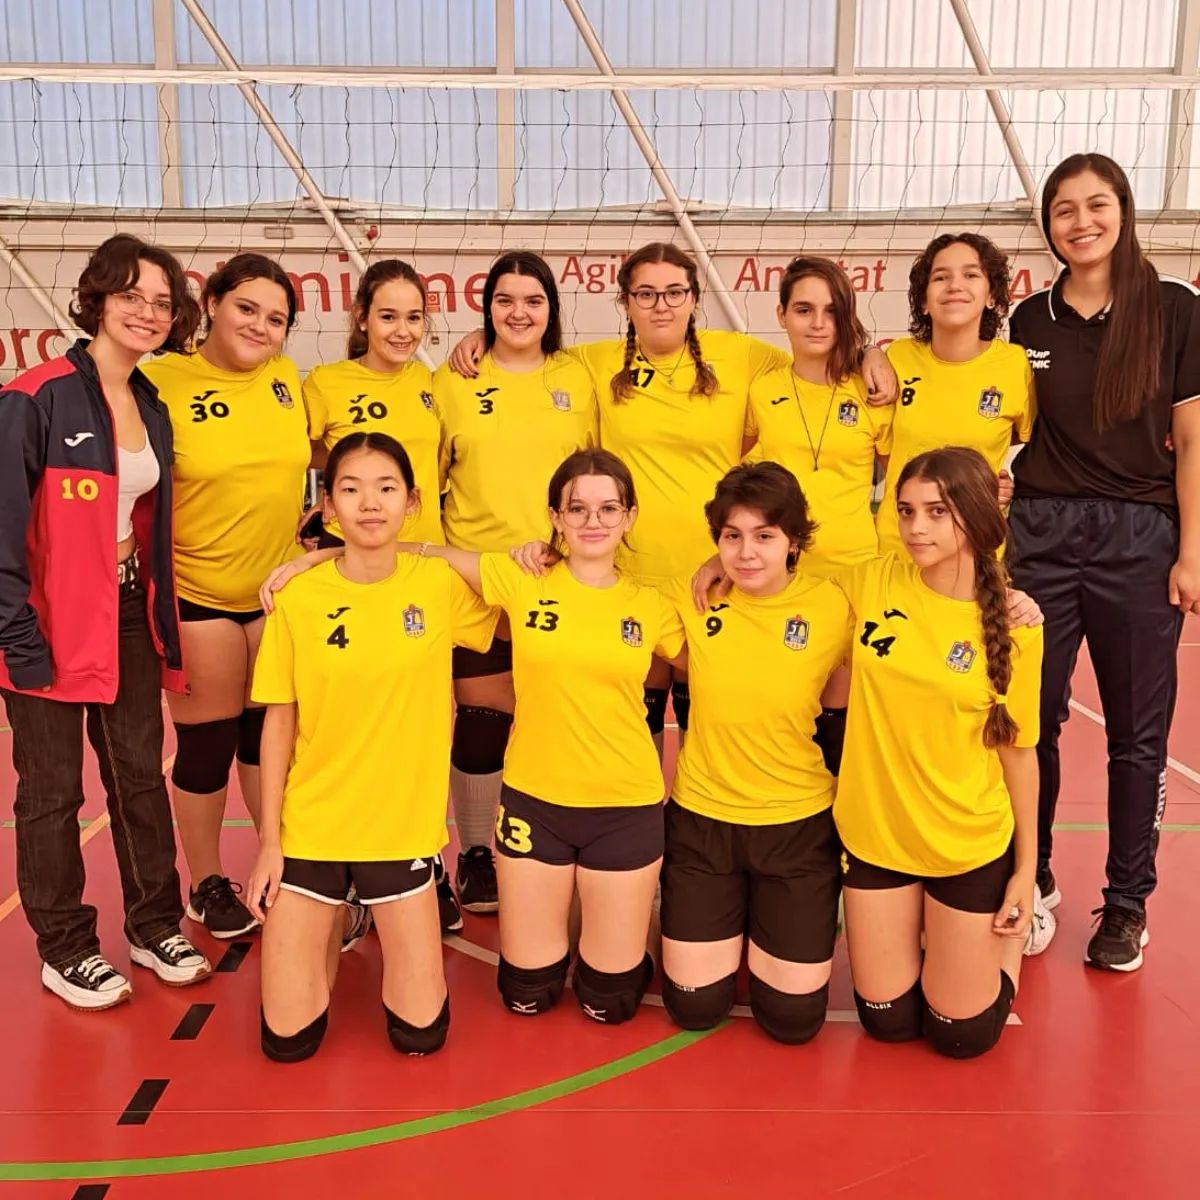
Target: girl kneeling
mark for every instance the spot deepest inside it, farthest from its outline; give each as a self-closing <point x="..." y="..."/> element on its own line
<point x="355" y="668"/>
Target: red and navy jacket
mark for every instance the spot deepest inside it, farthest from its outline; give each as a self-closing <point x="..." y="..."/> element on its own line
<point x="59" y="600"/>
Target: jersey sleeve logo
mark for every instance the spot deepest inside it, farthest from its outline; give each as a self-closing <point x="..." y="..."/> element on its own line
<point x="848" y="413"/>
<point x="414" y="621"/>
<point x="961" y="657"/>
<point x="631" y="632"/>
<point x="282" y="394"/>
<point x="989" y="403"/>
<point x="795" y="633"/>
<point x="561" y="401"/>
<point x="427" y="400"/>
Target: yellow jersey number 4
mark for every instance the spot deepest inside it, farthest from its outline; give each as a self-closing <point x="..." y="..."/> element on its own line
<point x="513" y="832"/>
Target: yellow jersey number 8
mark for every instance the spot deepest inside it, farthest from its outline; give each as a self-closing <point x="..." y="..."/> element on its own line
<point x="517" y="838"/>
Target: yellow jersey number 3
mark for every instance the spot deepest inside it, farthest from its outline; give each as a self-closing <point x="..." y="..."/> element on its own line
<point x="513" y="832"/>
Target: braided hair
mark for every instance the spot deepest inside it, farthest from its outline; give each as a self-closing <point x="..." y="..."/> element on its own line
<point x="968" y="485"/>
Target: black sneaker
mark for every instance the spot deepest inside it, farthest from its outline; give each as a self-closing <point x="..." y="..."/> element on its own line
<point x="173" y="959"/>
<point x="477" y="881"/>
<point x="1117" y="944"/>
<point x="91" y="984"/>
<point x="1051" y="896"/>
<point x="216" y="906"/>
<point x="449" y="912"/>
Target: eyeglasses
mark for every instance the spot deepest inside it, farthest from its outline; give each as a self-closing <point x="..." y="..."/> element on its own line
<point x="648" y="297"/>
<point x="133" y="303"/>
<point x="578" y="515"/>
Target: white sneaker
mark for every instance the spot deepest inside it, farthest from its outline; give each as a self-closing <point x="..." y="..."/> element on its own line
<point x="173" y="959"/>
<point x="1042" y="927"/>
<point x="89" y="985"/>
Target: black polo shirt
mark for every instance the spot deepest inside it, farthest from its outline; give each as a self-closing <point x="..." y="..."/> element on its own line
<point x="1066" y="455"/>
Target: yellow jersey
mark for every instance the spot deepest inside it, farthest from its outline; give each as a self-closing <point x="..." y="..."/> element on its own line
<point x="506" y="433"/>
<point x="756" y="668"/>
<point x="919" y="792"/>
<point x="827" y="436"/>
<point x="985" y="404"/>
<point x="677" y="446"/>
<point x="580" y="658"/>
<point x="346" y="397"/>
<point x="368" y="667"/>
<point x="241" y="452"/>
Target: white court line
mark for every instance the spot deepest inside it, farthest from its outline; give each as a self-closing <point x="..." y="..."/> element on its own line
<point x="844" y="1016"/>
<point x="1173" y="763"/>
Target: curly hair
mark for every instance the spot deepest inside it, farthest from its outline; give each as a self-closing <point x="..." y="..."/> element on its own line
<point x="995" y="266"/>
<point x="769" y="489"/>
<point x="113" y="267"/>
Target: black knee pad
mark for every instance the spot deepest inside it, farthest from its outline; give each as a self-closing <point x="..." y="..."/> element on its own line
<point x="896" y="1020"/>
<point x="681" y="702"/>
<point x="480" y="736"/>
<point x="298" y="1046"/>
<point x="831" y="737"/>
<point x="418" y="1039"/>
<point x="203" y="755"/>
<point x="788" y="1016"/>
<point x="250" y="727"/>
<point x="531" y="991"/>
<point x="969" y="1037"/>
<point x="655" y="700"/>
<point x="700" y="1007"/>
<point x="612" y="997"/>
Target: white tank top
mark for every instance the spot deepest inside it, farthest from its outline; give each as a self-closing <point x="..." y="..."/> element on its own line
<point x="138" y="473"/>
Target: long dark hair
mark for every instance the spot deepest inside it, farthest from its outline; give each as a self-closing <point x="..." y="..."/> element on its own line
<point x="994" y="262"/>
<point x="1127" y="372"/>
<point x="845" y="359"/>
<point x="661" y="252"/>
<point x="769" y="489"/>
<point x="524" y="262"/>
<point x="387" y="270"/>
<point x="591" y="461"/>
<point x="968" y="485"/>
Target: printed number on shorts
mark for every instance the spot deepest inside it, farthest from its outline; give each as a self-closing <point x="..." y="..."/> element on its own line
<point x="517" y="837"/>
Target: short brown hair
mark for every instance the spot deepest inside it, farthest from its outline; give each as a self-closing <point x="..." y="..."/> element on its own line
<point x="769" y="489"/>
<point x="113" y="267"/>
<point x="995" y="266"/>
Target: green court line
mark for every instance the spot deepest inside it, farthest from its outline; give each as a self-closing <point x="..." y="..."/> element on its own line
<point x="84" y="822"/>
<point x="255" y="1156"/>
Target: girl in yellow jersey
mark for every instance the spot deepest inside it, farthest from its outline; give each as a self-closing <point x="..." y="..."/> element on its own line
<point x="241" y="450"/>
<point x="381" y="387"/>
<point x="674" y="405"/>
<point x="937" y="800"/>
<point x="505" y="433"/>
<point x="354" y="792"/>
<point x="960" y="384"/>
<point x="750" y="840"/>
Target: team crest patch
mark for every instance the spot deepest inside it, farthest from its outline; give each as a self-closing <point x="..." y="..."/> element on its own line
<point x="282" y="394"/>
<point x="795" y="633"/>
<point x="561" y="401"/>
<point x="989" y="403"/>
<point x="631" y="632"/>
<point x="427" y="400"/>
<point x="848" y="413"/>
<point x="414" y="621"/>
<point x="961" y="657"/>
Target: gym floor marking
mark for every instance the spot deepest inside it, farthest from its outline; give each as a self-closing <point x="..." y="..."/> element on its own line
<point x="1173" y="763"/>
<point x="188" y="1029"/>
<point x="139" y="1108"/>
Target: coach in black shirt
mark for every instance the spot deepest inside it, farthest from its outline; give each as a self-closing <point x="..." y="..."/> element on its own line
<point x="1106" y="515"/>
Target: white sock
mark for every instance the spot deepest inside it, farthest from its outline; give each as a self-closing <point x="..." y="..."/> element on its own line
<point x="476" y="798"/>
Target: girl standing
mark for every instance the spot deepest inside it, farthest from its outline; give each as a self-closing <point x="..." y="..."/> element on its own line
<point x="88" y="631"/>
<point x="336" y="811"/>
<point x="1106" y="519"/>
<point x="241" y="450"/>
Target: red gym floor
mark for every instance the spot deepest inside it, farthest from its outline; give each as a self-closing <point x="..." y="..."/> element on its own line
<point x="1095" y="1092"/>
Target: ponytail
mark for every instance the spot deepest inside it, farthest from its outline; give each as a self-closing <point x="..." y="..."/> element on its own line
<point x="706" y="377"/>
<point x="991" y="593"/>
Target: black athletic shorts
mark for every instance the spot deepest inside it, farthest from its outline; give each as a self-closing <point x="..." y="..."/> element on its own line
<point x="978" y="891"/>
<point x="601" y="839"/>
<point x="470" y="664"/>
<point x="201" y="612"/>
<point x="375" y="882"/>
<point x="777" y="883"/>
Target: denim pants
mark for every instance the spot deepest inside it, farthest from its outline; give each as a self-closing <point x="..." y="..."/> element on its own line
<point x="127" y="737"/>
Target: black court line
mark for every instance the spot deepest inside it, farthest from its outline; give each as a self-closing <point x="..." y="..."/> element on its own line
<point x="232" y="958"/>
<point x="91" y="1191"/>
<point x="188" y="1030"/>
<point x="138" y="1110"/>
